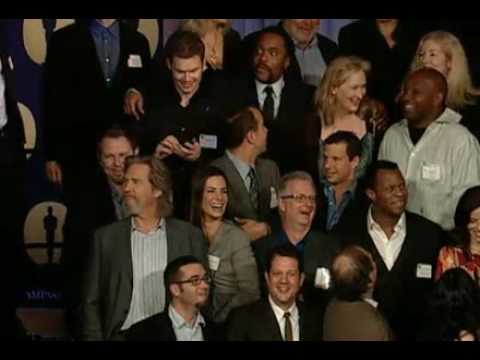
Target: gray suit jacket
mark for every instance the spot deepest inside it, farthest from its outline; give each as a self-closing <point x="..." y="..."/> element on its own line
<point x="108" y="283"/>
<point x="239" y="204"/>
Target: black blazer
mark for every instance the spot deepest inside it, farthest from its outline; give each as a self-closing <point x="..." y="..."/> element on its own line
<point x="78" y="103"/>
<point x="159" y="328"/>
<point x="400" y="294"/>
<point x="286" y="131"/>
<point x="257" y="322"/>
<point x="328" y="49"/>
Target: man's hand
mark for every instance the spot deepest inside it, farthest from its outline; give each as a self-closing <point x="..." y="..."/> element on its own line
<point x="256" y="230"/>
<point x="167" y="147"/>
<point x="191" y="151"/>
<point x="133" y="104"/>
<point x="54" y="172"/>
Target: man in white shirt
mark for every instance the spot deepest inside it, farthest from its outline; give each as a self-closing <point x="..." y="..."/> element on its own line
<point x="188" y="284"/>
<point x="438" y="157"/>
<point x="280" y="317"/>
<point x="404" y="246"/>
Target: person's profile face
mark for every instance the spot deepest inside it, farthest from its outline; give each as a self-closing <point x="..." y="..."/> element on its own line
<point x="350" y="94"/>
<point x="431" y="55"/>
<point x="418" y="99"/>
<point x="338" y="167"/>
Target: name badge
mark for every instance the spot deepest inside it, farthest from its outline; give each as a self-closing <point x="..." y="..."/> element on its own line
<point x="424" y="271"/>
<point x="208" y="141"/>
<point x="273" y="198"/>
<point x="10" y="63"/>
<point x="213" y="262"/>
<point x="135" y="61"/>
<point x="431" y="172"/>
<point x="322" y="278"/>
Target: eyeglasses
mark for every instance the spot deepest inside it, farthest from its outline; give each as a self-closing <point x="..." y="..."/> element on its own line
<point x="196" y="280"/>
<point x="300" y="198"/>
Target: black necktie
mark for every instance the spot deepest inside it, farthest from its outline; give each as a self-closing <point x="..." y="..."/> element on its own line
<point x="288" y="327"/>
<point x="268" y="107"/>
<point x="253" y="191"/>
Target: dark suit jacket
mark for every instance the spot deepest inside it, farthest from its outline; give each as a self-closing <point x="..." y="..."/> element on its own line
<point x="159" y="328"/>
<point x="319" y="252"/>
<point x="109" y="277"/>
<point x="286" y="131"/>
<point x="79" y="105"/>
<point x="239" y="204"/>
<point x="257" y="322"/>
<point x="328" y="49"/>
<point x="400" y="293"/>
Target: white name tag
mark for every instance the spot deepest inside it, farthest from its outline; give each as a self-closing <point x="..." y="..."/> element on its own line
<point x="213" y="262"/>
<point x="273" y="198"/>
<point x="424" y="271"/>
<point x="431" y="172"/>
<point x="135" y="61"/>
<point x="322" y="278"/>
<point x="208" y="141"/>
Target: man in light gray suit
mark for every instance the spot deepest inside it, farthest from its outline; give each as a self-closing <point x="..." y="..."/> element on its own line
<point x="124" y="278"/>
<point x="253" y="181"/>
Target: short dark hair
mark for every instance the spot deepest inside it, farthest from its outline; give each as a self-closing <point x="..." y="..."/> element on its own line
<point x="172" y="271"/>
<point x="354" y="145"/>
<point x="351" y="271"/>
<point x="375" y="168"/>
<point x="284" y="250"/>
<point x="239" y="126"/>
<point x="198" y="185"/>
<point x="276" y="30"/>
<point x="117" y="131"/>
<point x="184" y="44"/>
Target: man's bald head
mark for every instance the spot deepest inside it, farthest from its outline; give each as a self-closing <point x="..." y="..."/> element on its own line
<point x="424" y="95"/>
<point x="352" y="271"/>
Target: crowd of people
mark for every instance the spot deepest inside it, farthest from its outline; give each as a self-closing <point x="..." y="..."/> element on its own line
<point x="280" y="187"/>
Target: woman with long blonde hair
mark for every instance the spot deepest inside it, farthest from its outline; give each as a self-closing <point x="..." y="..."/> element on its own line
<point x="337" y="103"/>
<point x="444" y="52"/>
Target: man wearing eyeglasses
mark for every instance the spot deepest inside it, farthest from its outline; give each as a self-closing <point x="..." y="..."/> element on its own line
<point x="297" y="207"/>
<point x="188" y="284"/>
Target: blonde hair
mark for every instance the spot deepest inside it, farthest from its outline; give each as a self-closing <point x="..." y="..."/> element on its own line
<point x="203" y="26"/>
<point x="338" y="72"/>
<point x="461" y="91"/>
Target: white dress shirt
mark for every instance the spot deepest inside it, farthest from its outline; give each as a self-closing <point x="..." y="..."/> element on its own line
<point x="389" y="249"/>
<point x="183" y="330"/>
<point x="294" y="319"/>
<point x="277" y="93"/>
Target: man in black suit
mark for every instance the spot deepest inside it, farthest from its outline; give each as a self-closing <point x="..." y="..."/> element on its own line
<point x="89" y="67"/>
<point x="100" y="203"/>
<point x="297" y="207"/>
<point x="188" y="284"/>
<point x="283" y="99"/>
<point x="404" y="246"/>
<point x="312" y="51"/>
<point x="280" y="317"/>
<point x="124" y="275"/>
<point x="252" y="181"/>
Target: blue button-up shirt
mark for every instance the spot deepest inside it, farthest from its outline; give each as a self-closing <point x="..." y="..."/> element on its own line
<point x="334" y="210"/>
<point x="107" y="43"/>
<point x="281" y="238"/>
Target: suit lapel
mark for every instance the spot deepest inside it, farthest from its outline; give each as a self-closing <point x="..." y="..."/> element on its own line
<point x="238" y="183"/>
<point x="123" y="56"/>
<point x="271" y="323"/>
<point x="125" y="250"/>
<point x="91" y="55"/>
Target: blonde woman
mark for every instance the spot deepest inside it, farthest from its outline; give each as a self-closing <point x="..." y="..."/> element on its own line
<point x="337" y="103"/>
<point x="222" y="43"/>
<point x="444" y="52"/>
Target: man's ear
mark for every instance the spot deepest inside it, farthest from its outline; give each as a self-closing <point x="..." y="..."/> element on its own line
<point x="175" y="289"/>
<point x="356" y="161"/>
<point x="169" y="64"/>
<point x="157" y="193"/>
<point x="251" y="136"/>
<point x="370" y="194"/>
<point x="136" y="151"/>
<point x="287" y="63"/>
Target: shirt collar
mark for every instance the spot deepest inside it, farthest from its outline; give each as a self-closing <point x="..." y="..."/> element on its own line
<point x="160" y="226"/>
<point x="276" y="86"/>
<point x="329" y="190"/>
<point x="372" y="224"/>
<point x="449" y="116"/>
<point x="242" y="167"/>
<point x="279" y="312"/>
<point x="98" y="28"/>
<point x="179" y="322"/>
<point x="313" y="43"/>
